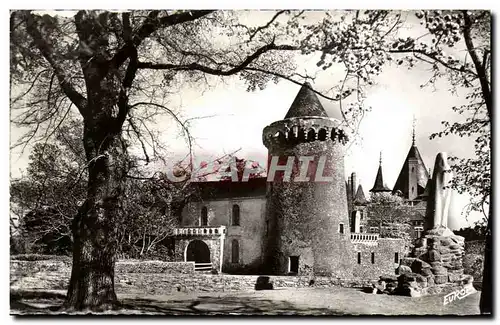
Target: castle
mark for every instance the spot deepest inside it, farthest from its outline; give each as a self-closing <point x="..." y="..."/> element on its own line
<point x="306" y="228"/>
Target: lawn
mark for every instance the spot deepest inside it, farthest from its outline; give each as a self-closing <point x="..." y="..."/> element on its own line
<point x="283" y="301"/>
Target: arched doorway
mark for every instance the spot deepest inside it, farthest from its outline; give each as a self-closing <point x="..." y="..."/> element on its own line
<point x="198" y="252"/>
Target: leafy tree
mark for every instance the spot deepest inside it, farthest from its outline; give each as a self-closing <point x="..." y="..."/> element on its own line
<point x="48" y="197"/>
<point x="478" y="232"/>
<point x="457" y="45"/>
<point x="391" y="215"/>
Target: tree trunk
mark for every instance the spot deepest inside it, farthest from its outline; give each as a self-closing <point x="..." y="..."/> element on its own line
<point x="91" y="285"/>
<point x="485" y="304"/>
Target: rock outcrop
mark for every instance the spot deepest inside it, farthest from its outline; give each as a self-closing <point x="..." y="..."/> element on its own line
<point x="435" y="266"/>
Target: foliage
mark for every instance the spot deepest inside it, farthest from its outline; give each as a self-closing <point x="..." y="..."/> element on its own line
<point x="473" y="260"/>
<point x="48" y="197"/>
<point x="391" y="214"/>
<point x="478" y="232"/>
<point x="456" y="44"/>
<point x="148" y="219"/>
<point x="468" y="35"/>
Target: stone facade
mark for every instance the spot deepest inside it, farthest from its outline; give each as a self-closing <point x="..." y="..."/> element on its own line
<point x="289" y="228"/>
<point x="386" y="254"/>
<point x="213" y="243"/>
<point x="249" y="232"/>
<point x="309" y="220"/>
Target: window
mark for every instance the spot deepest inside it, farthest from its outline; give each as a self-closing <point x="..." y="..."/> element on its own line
<point x="373" y="258"/>
<point x="396" y="257"/>
<point x="235" y="251"/>
<point x="360" y="228"/>
<point x="322" y="135"/>
<point x="341" y="228"/>
<point x="311" y="135"/>
<point x="236" y="215"/>
<point x="359" y="258"/>
<point x="293" y="263"/>
<point x="418" y="231"/>
<point x="204" y="217"/>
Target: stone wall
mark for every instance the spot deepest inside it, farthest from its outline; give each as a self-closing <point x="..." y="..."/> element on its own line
<point x="384" y="253"/>
<point x="55" y="275"/>
<point x="250" y="233"/>
<point x="154" y="267"/>
<point x="213" y="242"/>
<point x="20" y="267"/>
<point x="305" y="217"/>
<point x="30" y="267"/>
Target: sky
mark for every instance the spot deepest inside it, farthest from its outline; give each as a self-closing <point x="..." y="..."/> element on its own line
<point x="234" y="120"/>
<point x="237" y="119"/>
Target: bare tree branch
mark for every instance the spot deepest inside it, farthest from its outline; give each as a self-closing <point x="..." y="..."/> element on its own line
<point x="46" y="50"/>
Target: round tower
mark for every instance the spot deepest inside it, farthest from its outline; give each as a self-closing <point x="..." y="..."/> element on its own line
<point x="307" y="219"/>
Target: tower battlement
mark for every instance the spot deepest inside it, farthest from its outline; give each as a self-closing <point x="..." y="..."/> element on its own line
<point x="291" y="131"/>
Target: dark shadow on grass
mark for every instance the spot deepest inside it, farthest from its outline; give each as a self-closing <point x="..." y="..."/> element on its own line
<point x="19" y="301"/>
<point x="24" y="303"/>
<point x="223" y="306"/>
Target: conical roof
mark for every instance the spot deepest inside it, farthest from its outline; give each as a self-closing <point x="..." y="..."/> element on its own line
<point x="402" y="183"/>
<point x="379" y="185"/>
<point x="360" y="198"/>
<point x="306" y="103"/>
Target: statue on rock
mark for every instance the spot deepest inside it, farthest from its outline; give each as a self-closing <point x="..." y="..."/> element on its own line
<point x="438" y="202"/>
<point x="436" y="259"/>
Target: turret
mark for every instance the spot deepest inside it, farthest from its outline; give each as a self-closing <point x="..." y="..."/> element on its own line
<point x="379" y="185"/>
<point x="309" y="225"/>
<point x="413" y="177"/>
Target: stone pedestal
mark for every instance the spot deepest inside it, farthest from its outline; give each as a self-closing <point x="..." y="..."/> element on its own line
<point x="435" y="265"/>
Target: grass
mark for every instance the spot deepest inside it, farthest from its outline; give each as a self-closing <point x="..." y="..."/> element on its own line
<point x="290" y="301"/>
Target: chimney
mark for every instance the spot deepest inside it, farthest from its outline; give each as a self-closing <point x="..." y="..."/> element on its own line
<point x="353" y="184"/>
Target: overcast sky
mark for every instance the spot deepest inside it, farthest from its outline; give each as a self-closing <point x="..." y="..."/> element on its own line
<point x="238" y="117"/>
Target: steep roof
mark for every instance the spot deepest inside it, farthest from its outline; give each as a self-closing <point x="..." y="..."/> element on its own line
<point x="422" y="173"/>
<point x="227" y="189"/>
<point x="306" y="103"/>
<point x="379" y="185"/>
<point x="360" y="198"/>
<point x="348" y="190"/>
<point x="426" y="192"/>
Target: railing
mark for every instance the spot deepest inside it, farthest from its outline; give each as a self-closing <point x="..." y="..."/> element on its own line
<point x="200" y="231"/>
<point x="364" y="238"/>
<point x="202" y="266"/>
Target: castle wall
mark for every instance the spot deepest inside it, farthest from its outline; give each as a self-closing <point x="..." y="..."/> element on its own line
<point x="213" y="243"/>
<point x="306" y="217"/>
<point x="384" y="250"/>
<point x="250" y="233"/>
